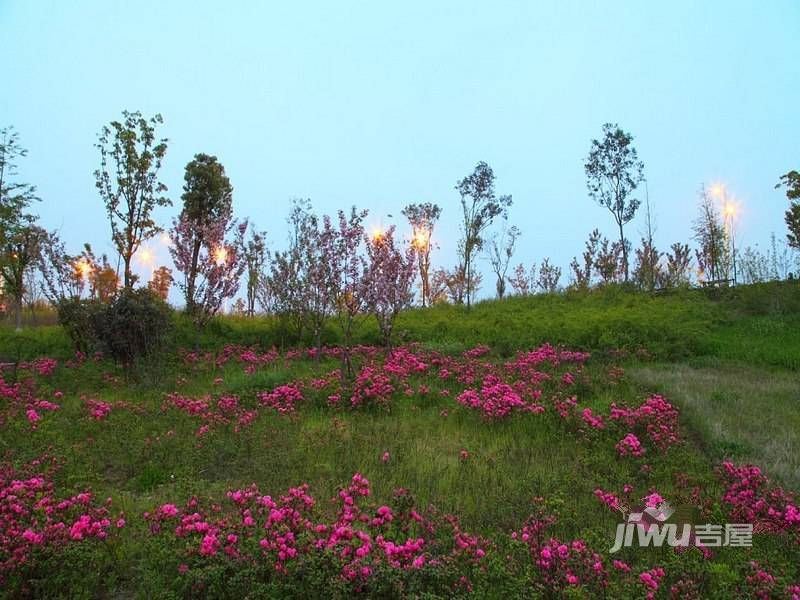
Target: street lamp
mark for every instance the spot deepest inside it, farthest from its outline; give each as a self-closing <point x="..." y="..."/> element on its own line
<point x="221" y="254"/>
<point x="730" y="213"/>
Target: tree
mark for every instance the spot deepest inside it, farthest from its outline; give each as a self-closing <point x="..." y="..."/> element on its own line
<point x="255" y="255"/>
<point x="61" y="281"/>
<point x="452" y="285"/>
<point x="549" y="276"/>
<point x="647" y="271"/>
<point x="754" y="266"/>
<point x="207" y="198"/>
<point x="613" y="172"/>
<point x="582" y="274"/>
<point x="710" y="234"/>
<point x="791" y="181"/>
<point x="609" y="263"/>
<point x="423" y="218"/>
<point x="387" y="280"/>
<point x="480" y="207"/>
<point x="15" y="197"/>
<point x="220" y="262"/>
<point x="501" y="249"/>
<point x="287" y="289"/>
<point x="161" y="281"/>
<point x="679" y="263"/>
<point x="523" y="282"/>
<point x="345" y="270"/>
<point x="100" y="275"/>
<point x="20" y="253"/>
<point x="130" y="158"/>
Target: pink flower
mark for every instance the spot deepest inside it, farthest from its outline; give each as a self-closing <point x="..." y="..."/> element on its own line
<point x="630" y="445"/>
<point x="385" y="457"/>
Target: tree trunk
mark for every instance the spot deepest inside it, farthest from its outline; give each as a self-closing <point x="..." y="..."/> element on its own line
<point x="191" y="277"/>
<point x="18" y="313"/>
<point x="624" y="251"/>
<point x="128" y="279"/>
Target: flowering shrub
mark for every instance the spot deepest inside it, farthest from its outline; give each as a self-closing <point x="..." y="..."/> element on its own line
<point x="41" y="366"/>
<point x="287" y="533"/>
<point x="34" y="520"/>
<point x="656" y="418"/>
<point x="283" y="398"/>
<point x="98" y="409"/>
<point x="227" y="410"/>
<point x="495" y="399"/>
<point x="371" y="387"/>
<point x="630" y="445"/>
<point x="753" y="499"/>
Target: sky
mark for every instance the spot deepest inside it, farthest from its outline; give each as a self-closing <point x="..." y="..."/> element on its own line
<point x="379" y="104"/>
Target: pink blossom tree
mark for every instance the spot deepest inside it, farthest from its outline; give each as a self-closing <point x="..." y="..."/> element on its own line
<point x="220" y="261"/>
<point x="342" y="268"/>
<point x="388" y="280"/>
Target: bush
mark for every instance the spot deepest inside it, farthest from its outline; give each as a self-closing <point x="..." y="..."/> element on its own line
<point x="76" y="317"/>
<point x="133" y="327"/>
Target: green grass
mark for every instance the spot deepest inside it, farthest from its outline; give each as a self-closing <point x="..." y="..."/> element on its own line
<point x="741" y="412"/>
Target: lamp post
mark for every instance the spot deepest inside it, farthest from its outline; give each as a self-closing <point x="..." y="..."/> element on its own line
<point x="730" y="213"/>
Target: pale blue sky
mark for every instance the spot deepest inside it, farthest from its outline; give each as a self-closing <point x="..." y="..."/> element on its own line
<point x="380" y="104"/>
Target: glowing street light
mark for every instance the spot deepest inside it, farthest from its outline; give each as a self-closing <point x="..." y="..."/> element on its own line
<point x="717" y="190"/>
<point x="84" y="268"/>
<point x="422" y="238"/>
<point x="376" y="234"/>
<point x="146" y="256"/>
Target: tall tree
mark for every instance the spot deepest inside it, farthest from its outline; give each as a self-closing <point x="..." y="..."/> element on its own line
<point x="480" y="207"/>
<point x="710" y="234"/>
<point x="130" y="158"/>
<point x="387" y="280"/>
<point x="613" y="172"/>
<point x="287" y="290"/>
<point x="791" y="181"/>
<point x="255" y="255"/>
<point x="20" y="239"/>
<point x="423" y="218"/>
<point x="207" y="197"/>
<point x="341" y="252"/>
<point x="15" y="197"/>
<point x="20" y="253"/>
<point x="501" y="250"/>
<point x="220" y="265"/>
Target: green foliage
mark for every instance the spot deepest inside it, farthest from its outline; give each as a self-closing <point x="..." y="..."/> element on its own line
<point x="480" y="206"/>
<point x="130" y="158"/>
<point x="134" y="326"/>
<point x="791" y="181"/>
<point x="613" y="172"/>
<point x="76" y="316"/>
